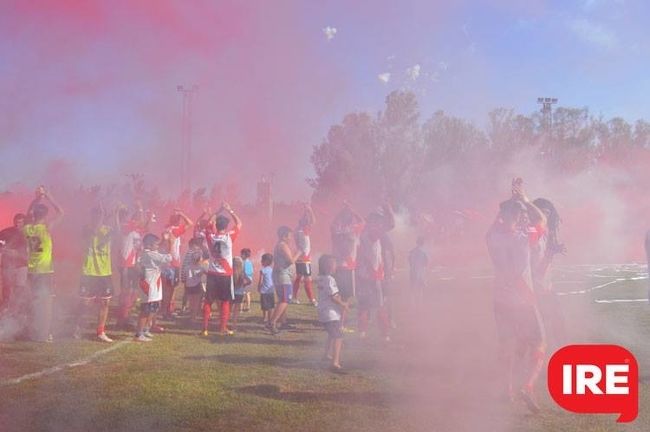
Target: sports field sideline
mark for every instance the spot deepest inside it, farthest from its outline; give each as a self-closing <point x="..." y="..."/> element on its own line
<point x="436" y="375"/>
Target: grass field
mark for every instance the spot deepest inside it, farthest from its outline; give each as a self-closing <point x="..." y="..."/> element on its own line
<point x="438" y="373"/>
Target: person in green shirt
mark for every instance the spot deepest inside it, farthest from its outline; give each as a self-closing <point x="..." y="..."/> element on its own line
<point x="96" y="274"/>
<point x="40" y="271"/>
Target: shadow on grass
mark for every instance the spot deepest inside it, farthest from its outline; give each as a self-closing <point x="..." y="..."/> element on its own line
<point x="261" y="341"/>
<point x="283" y="362"/>
<point x="269" y="391"/>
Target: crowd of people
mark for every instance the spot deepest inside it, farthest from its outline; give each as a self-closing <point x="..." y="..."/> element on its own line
<point x="200" y="256"/>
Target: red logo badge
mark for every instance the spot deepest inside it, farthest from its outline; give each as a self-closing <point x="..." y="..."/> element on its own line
<point x="595" y="379"/>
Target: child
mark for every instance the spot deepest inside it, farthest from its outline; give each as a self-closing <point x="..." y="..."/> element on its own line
<point x="240" y="282"/>
<point x="249" y="271"/>
<point x="96" y="280"/>
<point x="418" y="264"/>
<point x="150" y="261"/>
<point x="191" y="275"/>
<point x="330" y="309"/>
<point x="265" y="288"/>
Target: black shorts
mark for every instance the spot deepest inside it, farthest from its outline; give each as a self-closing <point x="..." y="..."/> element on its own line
<point x="219" y="288"/>
<point x="303" y="268"/>
<point x="345" y="281"/>
<point x="150" y="307"/>
<point x="267" y="301"/>
<point x="41" y="284"/>
<point x="518" y="323"/>
<point x="334" y="329"/>
<point x="194" y="290"/>
<point x="96" y="287"/>
<point x="239" y="299"/>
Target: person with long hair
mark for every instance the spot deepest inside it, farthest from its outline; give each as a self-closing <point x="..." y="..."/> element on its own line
<point x="542" y="252"/>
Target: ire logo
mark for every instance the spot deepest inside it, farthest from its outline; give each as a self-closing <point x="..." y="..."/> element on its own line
<point x="595" y="379"/>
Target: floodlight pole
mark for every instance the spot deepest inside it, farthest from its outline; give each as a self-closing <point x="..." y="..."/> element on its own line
<point x="547" y="111"/>
<point x="186" y="136"/>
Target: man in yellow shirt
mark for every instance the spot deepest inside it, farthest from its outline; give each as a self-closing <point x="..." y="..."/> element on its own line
<point x="96" y="275"/>
<point x="39" y="266"/>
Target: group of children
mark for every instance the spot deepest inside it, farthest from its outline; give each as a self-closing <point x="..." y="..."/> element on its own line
<point x="152" y="266"/>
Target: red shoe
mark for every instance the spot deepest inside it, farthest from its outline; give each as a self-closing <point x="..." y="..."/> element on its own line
<point x="157" y="329"/>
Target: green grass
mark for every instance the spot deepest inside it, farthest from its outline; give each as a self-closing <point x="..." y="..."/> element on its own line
<point x="438" y="374"/>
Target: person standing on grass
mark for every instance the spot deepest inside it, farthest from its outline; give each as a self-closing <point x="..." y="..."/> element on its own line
<point x="151" y="261"/>
<point x="131" y="231"/>
<point x="283" y="261"/>
<point x="519" y="328"/>
<point x="303" y="263"/>
<point x="371" y="271"/>
<point x="240" y="282"/>
<point x="40" y="269"/>
<point x="330" y="308"/>
<point x="191" y="275"/>
<point x="96" y="275"/>
<point x="14" y="265"/>
<point x="178" y="224"/>
<point x="249" y="271"/>
<point x="345" y="231"/>
<point x="418" y="267"/>
<point x="265" y="288"/>
<point x="219" y="285"/>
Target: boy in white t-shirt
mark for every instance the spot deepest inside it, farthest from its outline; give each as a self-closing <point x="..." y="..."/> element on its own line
<point x="150" y="262"/>
<point x="266" y="289"/>
<point x="330" y="309"/>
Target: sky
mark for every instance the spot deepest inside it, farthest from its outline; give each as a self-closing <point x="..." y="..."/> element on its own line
<point x="92" y="84"/>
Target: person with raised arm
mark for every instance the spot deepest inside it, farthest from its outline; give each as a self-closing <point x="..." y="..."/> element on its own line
<point x="303" y="263"/>
<point x="96" y="274"/>
<point x="345" y="230"/>
<point x="40" y="267"/>
<point x="219" y="285"/>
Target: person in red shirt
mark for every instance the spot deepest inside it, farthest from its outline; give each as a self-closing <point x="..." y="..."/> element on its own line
<point x="345" y="230"/>
<point x="171" y="242"/>
<point x="219" y="284"/>
<point x="371" y="271"/>
<point x="131" y="232"/>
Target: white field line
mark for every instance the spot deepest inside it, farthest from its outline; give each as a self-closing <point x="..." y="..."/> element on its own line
<point x="58" y="368"/>
<point x="645" y="300"/>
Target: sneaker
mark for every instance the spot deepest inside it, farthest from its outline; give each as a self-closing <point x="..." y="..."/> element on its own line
<point x="204" y="333"/>
<point x="142" y="338"/>
<point x="227" y="333"/>
<point x="49" y="339"/>
<point x="103" y="338"/>
<point x="287" y="326"/>
<point x="348" y="330"/>
<point x="294" y="301"/>
<point x="314" y="302"/>
<point x="157" y="329"/>
<point x="148" y="334"/>
<point x="268" y="325"/>
<point x="274" y="330"/>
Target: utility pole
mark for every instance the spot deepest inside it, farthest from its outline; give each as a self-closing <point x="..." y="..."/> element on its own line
<point x="186" y="136"/>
